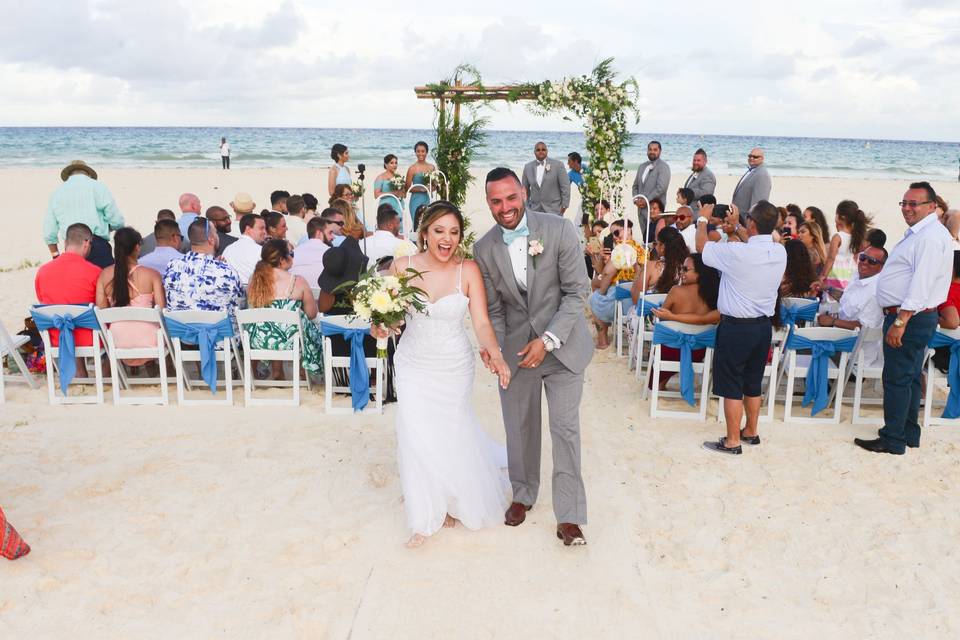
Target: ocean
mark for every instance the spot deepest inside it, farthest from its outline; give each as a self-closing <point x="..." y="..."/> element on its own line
<point x="178" y="147"/>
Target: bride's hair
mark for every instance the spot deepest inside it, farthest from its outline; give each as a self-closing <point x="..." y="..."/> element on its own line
<point x="433" y="212"/>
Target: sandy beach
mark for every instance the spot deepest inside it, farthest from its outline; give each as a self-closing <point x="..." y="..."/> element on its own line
<point x="160" y="522"/>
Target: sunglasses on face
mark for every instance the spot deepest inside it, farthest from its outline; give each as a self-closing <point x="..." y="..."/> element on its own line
<point x="753" y="156"/>
<point x="868" y="259"/>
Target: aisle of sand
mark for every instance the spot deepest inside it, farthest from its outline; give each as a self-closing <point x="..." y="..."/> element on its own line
<point x="166" y="522"/>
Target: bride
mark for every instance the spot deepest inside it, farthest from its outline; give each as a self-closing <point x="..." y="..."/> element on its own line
<point x="450" y="469"/>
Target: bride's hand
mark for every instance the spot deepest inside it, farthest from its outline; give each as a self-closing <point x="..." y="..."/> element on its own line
<point x="379" y="331"/>
<point x="499" y="366"/>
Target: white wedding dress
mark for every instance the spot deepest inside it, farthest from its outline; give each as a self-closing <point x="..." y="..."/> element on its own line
<point x="448" y="463"/>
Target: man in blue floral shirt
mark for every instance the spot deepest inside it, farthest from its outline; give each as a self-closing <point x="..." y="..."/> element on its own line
<point x="198" y="281"/>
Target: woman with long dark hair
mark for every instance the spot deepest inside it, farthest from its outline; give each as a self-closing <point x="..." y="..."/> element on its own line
<point x="846" y="244"/>
<point x="815" y="215"/>
<point x="273" y="286"/>
<point x="809" y="234"/>
<point x="126" y="284"/>
<point x="417" y="174"/>
<point x="339" y="173"/>
<point x="384" y="184"/>
<point x="799" y="278"/>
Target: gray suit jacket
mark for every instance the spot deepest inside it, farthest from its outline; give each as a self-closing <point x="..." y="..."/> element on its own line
<point x="657" y="182"/>
<point x="702" y="183"/>
<point x="553" y="194"/>
<point x="557" y="289"/>
<point x="752" y="188"/>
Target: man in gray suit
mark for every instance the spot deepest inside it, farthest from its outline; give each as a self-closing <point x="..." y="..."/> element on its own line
<point x="546" y="183"/>
<point x="536" y="285"/>
<point x="653" y="178"/>
<point x="701" y="180"/>
<point x="755" y="184"/>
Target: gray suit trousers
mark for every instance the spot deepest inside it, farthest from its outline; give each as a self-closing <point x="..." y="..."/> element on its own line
<point x="522" y="419"/>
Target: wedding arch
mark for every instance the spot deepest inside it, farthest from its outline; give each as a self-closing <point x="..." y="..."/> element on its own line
<point x="601" y="101"/>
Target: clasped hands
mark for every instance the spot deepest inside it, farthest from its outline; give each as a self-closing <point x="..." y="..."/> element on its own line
<point x="495" y="363"/>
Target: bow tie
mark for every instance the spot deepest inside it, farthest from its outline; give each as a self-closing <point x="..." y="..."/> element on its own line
<point x="521" y="231"/>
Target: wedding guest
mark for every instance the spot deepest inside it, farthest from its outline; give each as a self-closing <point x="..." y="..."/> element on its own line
<point x="168" y="241"/>
<point x="383" y="183"/>
<point x="809" y="234"/>
<point x="339" y="173"/>
<point x="666" y="271"/>
<point x="658" y="218"/>
<point x="82" y="199"/>
<point x="942" y="207"/>
<point x="852" y="225"/>
<point x="272" y="285"/>
<point x="948" y="315"/>
<point x="692" y="301"/>
<point x="189" y="211"/>
<point x="337" y="219"/>
<point x="384" y="240"/>
<point x="351" y="223"/>
<point x="877" y="238"/>
<point x="242" y="204"/>
<point x="858" y="306"/>
<point x="310" y="204"/>
<point x="684" y="225"/>
<point x="575" y="168"/>
<point x="701" y="179"/>
<point x="198" y="280"/>
<point x="799" y="278"/>
<point x="546" y="183"/>
<point x="592" y="246"/>
<point x="602" y="300"/>
<point x="149" y="242"/>
<point x="653" y="178"/>
<point x="342" y="192"/>
<point x="751" y="273"/>
<point x="685" y="197"/>
<point x="70" y="279"/>
<point x="126" y="283"/>
<point x="278" y="201"/>
<point x="791" y="223"/>
<point x="244" y="254"/>
<point x="296" y="224"/>
<point x="221" y="220"/>
<point x="914" y="281"/>
<point x="754" y="185"/>
<point x="276" y="225"/>
<point x="951" y="220"/>
<point x="308" y="261"/>
<point x="224" y="153"/>
<point x="815" y="215"/>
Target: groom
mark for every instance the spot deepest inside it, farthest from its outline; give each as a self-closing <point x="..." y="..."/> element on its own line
<point x="536" y="283"/>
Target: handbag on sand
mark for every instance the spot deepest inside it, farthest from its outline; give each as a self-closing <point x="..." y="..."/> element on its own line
<point x="12" y="546"/>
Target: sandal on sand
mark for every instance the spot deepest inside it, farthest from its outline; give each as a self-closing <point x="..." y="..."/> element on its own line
<point x="751" y="440"/>
<point x="720" y="446"/>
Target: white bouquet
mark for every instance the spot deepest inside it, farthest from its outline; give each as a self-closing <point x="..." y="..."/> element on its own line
<point x="385" y="299"/>
<point x="397" y="183"/>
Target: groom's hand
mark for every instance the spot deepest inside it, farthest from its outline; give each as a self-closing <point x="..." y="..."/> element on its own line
<point x="532" y="354"/>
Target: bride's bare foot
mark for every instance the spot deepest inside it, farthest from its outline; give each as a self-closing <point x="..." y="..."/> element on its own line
<point x="415" y="541"/>
<point x="449" y="522"/>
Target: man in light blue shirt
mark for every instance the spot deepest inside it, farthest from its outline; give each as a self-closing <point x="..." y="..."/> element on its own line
<point x="189" y="211"/>
<point x="81" y="198"/>
<point x="915" y="279"/>
<point x="168" y="241"/>
<point x="750" y="276"/>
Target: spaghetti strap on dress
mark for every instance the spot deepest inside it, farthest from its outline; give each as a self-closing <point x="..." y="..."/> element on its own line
<point x="134" y="334"/>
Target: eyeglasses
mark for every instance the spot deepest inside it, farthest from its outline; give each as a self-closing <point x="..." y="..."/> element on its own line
<point x="913" y="204"/>
<point x="752" y="155"/>
<point x="868" y="259"/>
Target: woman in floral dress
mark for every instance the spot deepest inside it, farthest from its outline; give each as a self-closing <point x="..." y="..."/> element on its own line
<point x="272" y="285"/>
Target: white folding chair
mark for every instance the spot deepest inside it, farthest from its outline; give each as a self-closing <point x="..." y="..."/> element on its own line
<point x="246" y="317"/>
<point x="702" y="368"/>
<point x="619" y="316"/>
<point x="798" y="366"/>
<point x="107" y="317"/>
<point x="862" y="372"/>
<point x="226" y="353"/>
<point x="934" y="376"/>
<point x="643" y="336"/>
<point x="51" y="354"/>
<point x="9" y="348"/>
<point x="330" y="362"/>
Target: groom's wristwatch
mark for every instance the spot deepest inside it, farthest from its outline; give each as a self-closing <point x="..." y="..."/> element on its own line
<point x="548" y="344"/>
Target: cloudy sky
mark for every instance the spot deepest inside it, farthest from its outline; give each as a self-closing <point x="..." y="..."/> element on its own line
<point x="851" y="68"/>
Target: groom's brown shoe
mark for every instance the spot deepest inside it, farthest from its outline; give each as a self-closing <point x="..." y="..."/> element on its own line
<point x="516" y="514"/>
<point x="570" y="534"/>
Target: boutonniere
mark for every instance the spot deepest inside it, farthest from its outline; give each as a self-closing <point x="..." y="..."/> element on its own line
<point x="535" y="248"/>
<point x="546" y="167"/>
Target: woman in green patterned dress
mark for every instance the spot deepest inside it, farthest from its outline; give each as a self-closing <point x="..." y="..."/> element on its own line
<point x="272" y="285"/>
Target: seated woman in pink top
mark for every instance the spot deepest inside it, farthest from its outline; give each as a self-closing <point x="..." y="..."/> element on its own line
<point x="126" y="283"/>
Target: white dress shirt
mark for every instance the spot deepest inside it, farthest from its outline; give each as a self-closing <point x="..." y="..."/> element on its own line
<point x="243" y="255"/>
<point x="917" y="273"/>
<point x="381" y="243"/>
<point x="646" y="172"/>
<point x="690" y="237"/>
<point x="750" y="273"/>
<point x="296" y="229"/>
<point x="518" y="259"/>
<point x="308" y="260"/>
<point x="859" y="303"/>
<point x="541" y="168"/>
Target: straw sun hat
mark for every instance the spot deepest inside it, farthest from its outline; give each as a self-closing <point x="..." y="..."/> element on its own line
<point x="77" y="166"/>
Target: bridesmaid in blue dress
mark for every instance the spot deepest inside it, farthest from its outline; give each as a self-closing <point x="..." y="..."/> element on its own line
<point x="383" y="184"/>
<point x="340" y="172"/>
<point x="417" y="174"/>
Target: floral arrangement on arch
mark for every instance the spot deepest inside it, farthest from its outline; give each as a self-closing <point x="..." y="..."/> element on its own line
<point x="602" y="104"/>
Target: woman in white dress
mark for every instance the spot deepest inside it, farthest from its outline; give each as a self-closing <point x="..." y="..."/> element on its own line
<point x="450" y="469"/>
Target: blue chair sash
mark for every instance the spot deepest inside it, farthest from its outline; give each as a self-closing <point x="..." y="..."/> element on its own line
<point x="686" y="343"/>
<point x="791" y="315"/>
<point x="645" y="307"/>
<point x="66" y="324"/>
<point x="206" y="336"/>
<point x="359" y="374"/>
<point x="952" y="410"/>
<point x="817" y="380"/>
<point x="623" y="291"/>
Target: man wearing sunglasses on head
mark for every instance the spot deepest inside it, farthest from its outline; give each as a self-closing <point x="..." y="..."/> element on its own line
<point x="914" y="280"/>
<point x="858" y="304"/>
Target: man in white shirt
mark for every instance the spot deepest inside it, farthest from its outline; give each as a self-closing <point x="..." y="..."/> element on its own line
<point x="750" y="275"/>
<point x="384" y="240"/>
<point x="296" y="225"/>
<point x="244" y="254"/>
<point x="225" y="153"/>
<point x="168" y="242"/>
<point x="914" y="280"/>
<point x="858" y="305"/>
<point x="685" y="226"/>
<point x="308" y="258"/>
